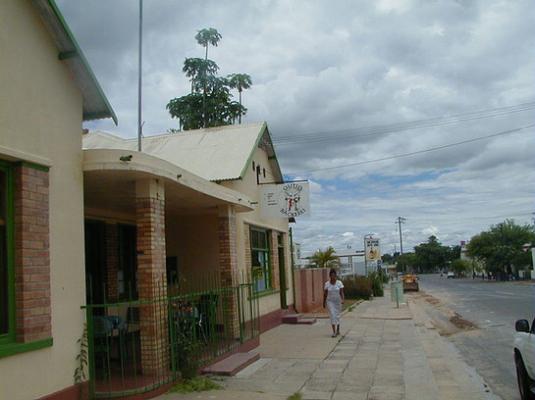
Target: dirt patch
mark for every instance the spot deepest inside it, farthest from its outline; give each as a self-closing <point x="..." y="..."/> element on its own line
<point x="462" y="323"/>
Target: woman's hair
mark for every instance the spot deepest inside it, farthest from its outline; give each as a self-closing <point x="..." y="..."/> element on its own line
<point x="332" y="271"/>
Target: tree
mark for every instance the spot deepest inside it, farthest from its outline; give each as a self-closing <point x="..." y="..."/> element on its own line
<point x="461" y="267"/>
<point x="240" y="82"/>
<point x="206" y="37"/>
<point x="325" y="259"/>
<point x="210" y="102"/>
<point x="406" y="262"/>
<point x="501" y="247"/>
<point x="432" y="255"/>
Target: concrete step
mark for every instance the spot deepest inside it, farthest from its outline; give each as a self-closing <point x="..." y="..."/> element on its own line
<point x="231" y="365"/>
<point x="297" y="319"/>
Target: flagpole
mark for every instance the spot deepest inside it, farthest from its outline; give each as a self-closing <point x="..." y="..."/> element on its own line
<point x="140" y="52"/>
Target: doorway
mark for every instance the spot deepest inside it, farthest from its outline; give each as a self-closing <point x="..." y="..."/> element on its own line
<point x="282" y="270"/>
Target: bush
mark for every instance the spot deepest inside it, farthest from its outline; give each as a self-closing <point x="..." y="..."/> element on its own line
<point x="377" y="284"/>
<point x="357" y="287"/>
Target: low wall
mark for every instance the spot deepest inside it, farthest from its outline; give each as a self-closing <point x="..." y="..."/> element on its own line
<point x="309" y="288"/>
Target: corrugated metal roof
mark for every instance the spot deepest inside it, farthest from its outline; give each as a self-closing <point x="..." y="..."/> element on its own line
<point x="216" y="154"/>
<point x="95" y="103"/>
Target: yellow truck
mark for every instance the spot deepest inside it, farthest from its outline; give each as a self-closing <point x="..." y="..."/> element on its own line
<point x="410" y="283"/>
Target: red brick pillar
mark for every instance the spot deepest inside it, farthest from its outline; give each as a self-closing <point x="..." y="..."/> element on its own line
<point x="32" y="254"/>
<point x="228" y="265"/>
<point x="112" y="261"/>
<point x="152" y="281"/>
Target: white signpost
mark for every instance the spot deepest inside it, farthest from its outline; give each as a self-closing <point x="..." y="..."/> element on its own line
<point x="286" y="200"/>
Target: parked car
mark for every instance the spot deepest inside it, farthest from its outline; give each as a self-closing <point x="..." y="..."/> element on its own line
<point x="450" y="275"/>
<point x="524" y="352"/>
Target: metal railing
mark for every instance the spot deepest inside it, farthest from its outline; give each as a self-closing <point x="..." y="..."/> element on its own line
<point x="139" y="345"/>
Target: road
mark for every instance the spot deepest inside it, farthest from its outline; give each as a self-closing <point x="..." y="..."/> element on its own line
<point x="493" y="307"/>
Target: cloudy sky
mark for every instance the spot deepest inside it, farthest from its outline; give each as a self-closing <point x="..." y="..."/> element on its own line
<point x="343" y="84"/>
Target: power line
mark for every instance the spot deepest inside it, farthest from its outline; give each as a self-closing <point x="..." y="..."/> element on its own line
<point x="403" y="155"/>
<point x="375" y="130"/>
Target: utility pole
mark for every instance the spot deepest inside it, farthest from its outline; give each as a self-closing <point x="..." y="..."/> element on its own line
<point x="139" y="80"/>
<point x="400" y="221"/>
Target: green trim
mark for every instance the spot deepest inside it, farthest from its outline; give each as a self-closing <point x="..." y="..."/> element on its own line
<point x="10" y="250"/>
<point x="10" y="349"/>
<point x="110" y="113"/>
<point x="264" y="293"/>
<point x="32" y="165"/>
<point x="65" y="55"/>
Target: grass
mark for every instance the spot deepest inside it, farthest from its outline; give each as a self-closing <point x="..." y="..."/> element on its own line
<point x="295" y="396"/>
<point x="349" y="303"/>
<point x="197" y="384"/>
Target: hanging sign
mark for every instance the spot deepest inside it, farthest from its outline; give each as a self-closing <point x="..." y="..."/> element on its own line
<point x="286" y="200"/>
<point x="373" y="251"/>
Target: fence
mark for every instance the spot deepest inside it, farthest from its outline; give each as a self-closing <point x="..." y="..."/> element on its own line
<point x="139" y="345"/>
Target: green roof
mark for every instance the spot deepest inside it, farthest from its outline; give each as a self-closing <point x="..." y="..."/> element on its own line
<point x="95" y="103"/>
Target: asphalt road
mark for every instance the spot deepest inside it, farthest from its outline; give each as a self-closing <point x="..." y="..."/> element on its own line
<point x="493" y="307"/>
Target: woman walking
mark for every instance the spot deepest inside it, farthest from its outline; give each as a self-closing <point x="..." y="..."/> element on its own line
<point x="333" y="298"/>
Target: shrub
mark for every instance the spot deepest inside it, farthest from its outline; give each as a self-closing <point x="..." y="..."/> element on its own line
<point x="357" y="287"/>
<point x="377" y="284"/>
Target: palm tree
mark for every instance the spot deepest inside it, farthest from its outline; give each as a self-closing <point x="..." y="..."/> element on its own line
<point x="240" y="82"/>
<point x="208" y="36"/>
<point x="325" y="258"/>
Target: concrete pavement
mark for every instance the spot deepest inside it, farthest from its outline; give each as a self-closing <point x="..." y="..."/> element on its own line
<point x="383" y="353"/>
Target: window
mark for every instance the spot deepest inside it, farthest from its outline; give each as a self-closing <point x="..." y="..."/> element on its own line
<point x="260" y="260"/>
<point x="7" y="316"/>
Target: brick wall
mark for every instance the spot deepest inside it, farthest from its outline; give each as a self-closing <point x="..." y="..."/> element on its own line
<point x="32" y="254"/>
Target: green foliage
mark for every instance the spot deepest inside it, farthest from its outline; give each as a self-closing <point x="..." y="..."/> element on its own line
<point x="295" y="396"/>
<point x="197" y="384"/>
<point x="432" y="255"/>
<point x="325" y="258"/>
<point x="377" y="284"/>
<point x="461" y="267"/>
<point x="406" y="262"/>
<point x="357" y="287"/>
<point x="81" y="358"/>
<point x="210" y="102"/>
<point x="186" y="348"/>
<point x="501" y="246"/>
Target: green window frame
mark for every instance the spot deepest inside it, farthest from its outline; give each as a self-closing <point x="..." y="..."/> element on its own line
<point x="7" y="250"/>
<point x="261" y="259"/>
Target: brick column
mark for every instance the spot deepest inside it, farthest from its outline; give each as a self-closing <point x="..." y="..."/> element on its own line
<point x="228" y="264"/>
<point x="274" y="255"/>
<point x="152" y="282"/>
<point x="112" y="261"/>
<point x="32" y="254"/>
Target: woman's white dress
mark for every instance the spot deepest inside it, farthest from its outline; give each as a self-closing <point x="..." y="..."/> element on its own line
<point x="334" y="301"/>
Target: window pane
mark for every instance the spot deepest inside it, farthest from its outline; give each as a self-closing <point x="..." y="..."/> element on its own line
<point x="4" y="304"/>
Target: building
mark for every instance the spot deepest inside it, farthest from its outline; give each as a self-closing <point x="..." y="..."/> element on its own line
<point x="128" y="251"/>
<point x="48" y="89"/>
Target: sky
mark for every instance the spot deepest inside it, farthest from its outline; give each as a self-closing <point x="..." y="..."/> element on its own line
<point x="343" y="84"/>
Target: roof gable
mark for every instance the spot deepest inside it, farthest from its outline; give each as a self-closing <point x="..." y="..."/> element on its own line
<point x="95" y="103"/>
<point x="216" y="154"/>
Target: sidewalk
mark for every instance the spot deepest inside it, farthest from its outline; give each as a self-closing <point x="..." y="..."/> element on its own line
<point x="383" y="353"/>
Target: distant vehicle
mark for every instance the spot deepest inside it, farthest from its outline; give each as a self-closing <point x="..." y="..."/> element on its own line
<point x="410" y="282"/>
<point x="450" y="275"/>
<point x="524" y="349"/>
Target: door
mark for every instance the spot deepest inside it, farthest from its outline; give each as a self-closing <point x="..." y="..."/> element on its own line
<point x="282" y="270"/>
<point x="127" y="274"/>
<point x="95" y="262"/>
